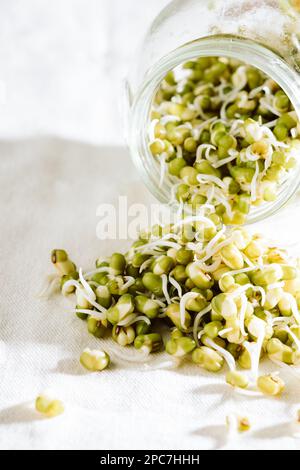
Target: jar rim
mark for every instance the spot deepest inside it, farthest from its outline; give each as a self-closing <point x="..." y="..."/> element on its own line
<point x="245" y="50"/>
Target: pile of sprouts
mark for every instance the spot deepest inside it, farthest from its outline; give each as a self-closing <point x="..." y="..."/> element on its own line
<point x="222" y="297"/>
<point x="224" y="135"/>
<point x="204" y="289"/>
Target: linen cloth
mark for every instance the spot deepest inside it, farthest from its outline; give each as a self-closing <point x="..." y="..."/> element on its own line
<point x="49" y="192"/>
<point x="62" y="63"/>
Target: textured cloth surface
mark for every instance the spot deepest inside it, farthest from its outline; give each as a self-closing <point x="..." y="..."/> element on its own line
<point x="62" y="65"/>
<point x="49" y="193"/>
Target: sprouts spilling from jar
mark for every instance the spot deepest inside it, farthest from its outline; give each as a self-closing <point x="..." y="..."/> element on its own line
<point x="223" y="295"/>
<point x="225" y="135"/>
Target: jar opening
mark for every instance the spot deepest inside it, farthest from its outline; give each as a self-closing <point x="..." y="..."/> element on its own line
<point x="248" y="52"/>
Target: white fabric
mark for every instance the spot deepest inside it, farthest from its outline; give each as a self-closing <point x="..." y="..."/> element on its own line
<point x="62" y="65"/>
<point x="49" y="192"/>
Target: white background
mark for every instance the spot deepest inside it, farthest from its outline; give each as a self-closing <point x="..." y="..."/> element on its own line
<point x="62" y="63"/>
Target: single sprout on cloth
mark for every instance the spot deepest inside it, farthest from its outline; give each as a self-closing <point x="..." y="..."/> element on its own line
<point x="49" y="406"/>
<point x="61" y="261"/>
<point x="270" y="385"/>
<point x="235" y="423"/>
<point x="94" y="360"/>
<point x="65" y="271"/>
<point x="222" y="298"/>
<point x="225" y="136"/>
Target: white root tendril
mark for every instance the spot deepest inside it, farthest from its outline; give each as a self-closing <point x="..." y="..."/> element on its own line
<point x="276" y="285"/>
<point x="216" y="249"/>
<point x="227" y="356"/>
<point x="146" y="264"/>
<point x="254" y="350"/>
<point x="103" y="269"/>
<point x="241" y="271"/>
<point x="249" y="393"/>
<point x="232" y="426"/>
<point x="225" y="160"/>
<point x="184" y="299"/>
<point x="158" y="243"/>
<point x="134" y="319"/>
<point x="86" y="286"/>
<point x="130" y="281"/>
<point x="294" y="307"/>
<point x="91" y="313"/>
<point x="244" y="288"/>
<point x="142" y="357"/>
<point x="207" y="148"/>
<point x="215" y="239"/>
<point x="209" y="268"/>
<point x="210" y="178"/>
<point x="291" y="370"/>
<point x="247" y="260"/>
<point x="78" y="286"/>
<point x="50" y="287"/>
<point x="243" y="314"/>
<point x="225" y="332"/>
<point x="176" y="285"/>
<point x="197" y="322"/>
<point x="164" y="279"/>
<point x="164" y="365"/>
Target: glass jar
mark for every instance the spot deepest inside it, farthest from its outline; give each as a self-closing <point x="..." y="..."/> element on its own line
<point x="261" y="33"/>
